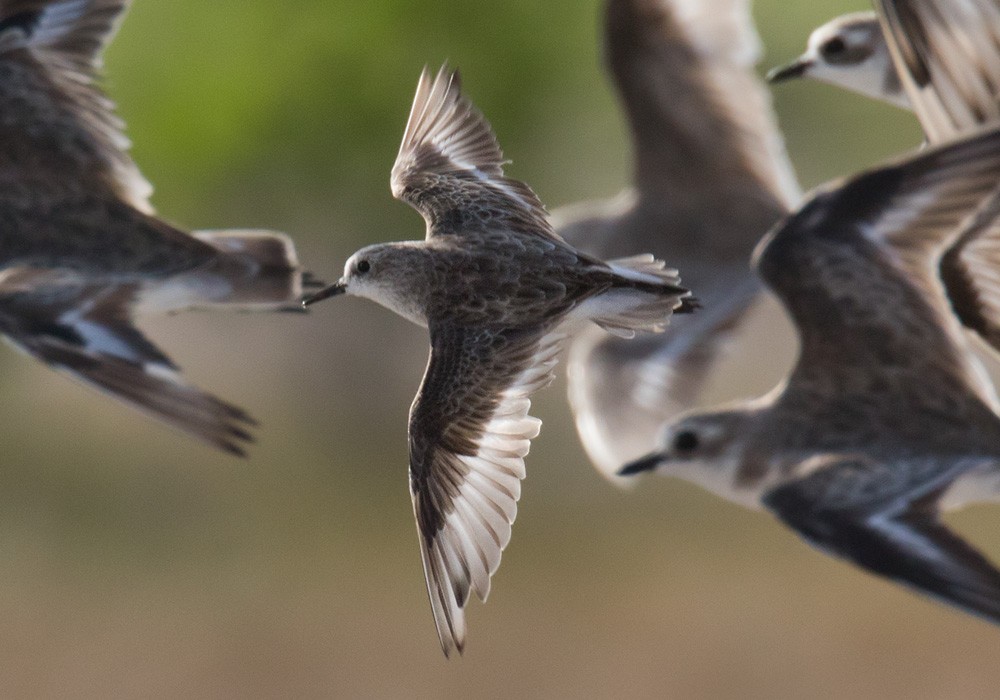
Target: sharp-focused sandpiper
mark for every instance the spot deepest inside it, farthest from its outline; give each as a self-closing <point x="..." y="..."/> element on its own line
<point x="496" y="287"/>
<point x="886" y="413"/>
<point x="81" y="247"/>
<point x="710" y="177"/>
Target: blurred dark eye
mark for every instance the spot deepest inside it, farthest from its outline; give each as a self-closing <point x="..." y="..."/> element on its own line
<point x="364" y="266"/>
<point x="685" y="441"/>
<point x="834" y="47"/>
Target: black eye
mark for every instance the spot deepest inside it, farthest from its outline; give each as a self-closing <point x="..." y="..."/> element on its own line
<point x="685" y="441"/>
<point x="834" y="47"/>
<point x="364" y="266"/>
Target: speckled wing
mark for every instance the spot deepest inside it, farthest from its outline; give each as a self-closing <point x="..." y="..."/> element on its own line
<point x="60" y="43"/>
<point x="894" y="534"/>
<point x="947" y="53"/>
<point x="857" y="269"/>
<point x="469" y="433"/>
<point x="85" y="329"/>
<point x="450" y="167"/>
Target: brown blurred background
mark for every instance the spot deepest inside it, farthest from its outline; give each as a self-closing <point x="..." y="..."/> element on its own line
<point x="138" y="563"/>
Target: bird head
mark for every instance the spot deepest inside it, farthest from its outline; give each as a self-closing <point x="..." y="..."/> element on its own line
<point x="849" y="52"/>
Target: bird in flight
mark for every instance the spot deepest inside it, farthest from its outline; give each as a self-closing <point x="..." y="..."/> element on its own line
<point x="82" y="249"/>
<point x="886" y="417"/>
<point x="498" y="290"/>
<point x="710" y="177"/>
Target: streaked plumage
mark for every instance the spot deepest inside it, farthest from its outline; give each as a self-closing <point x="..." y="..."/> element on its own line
<point x="81" y="247"/>
<point x="495" y="286"/>
<point x="710" y="177"/>
<point x="885" y="414"/>
<point x="947" y="53"/>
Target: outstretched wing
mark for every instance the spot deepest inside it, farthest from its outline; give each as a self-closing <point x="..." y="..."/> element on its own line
<point x="899" y="537"/>
<point x="469" y="433"/>
<point x="948" y="57"/>
<point x="711" y="177"/>
<point x="86" y="330"/>
<point x="54" y="49"/>
<point x="76" y="30"/>
<point x="859" y="264"/>
<point x="699" y="114"/>
<point x="450" y="167"/>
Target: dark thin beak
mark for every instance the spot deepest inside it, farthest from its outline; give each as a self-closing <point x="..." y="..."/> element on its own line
<point x="333" y="290"/>
<point x="643" y="464"/>
<point x="795" y="69"/>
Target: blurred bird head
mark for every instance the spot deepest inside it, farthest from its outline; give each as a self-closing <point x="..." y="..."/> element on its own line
<point x="704" y="447"/>
<point x="849" y="52"/>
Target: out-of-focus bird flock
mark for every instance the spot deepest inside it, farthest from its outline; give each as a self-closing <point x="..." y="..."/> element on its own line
<point x="890" y="276"/>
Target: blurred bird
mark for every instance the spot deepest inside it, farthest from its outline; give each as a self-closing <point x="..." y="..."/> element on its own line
<point x="944" y="56"/>
<point x="886" y="411"/>
<point x="940" y="58"/>
<point x="710" y="177"/>
<point x="81" y="248"/>
<point x="850" y="52"/>
<point x="496" y="287"/>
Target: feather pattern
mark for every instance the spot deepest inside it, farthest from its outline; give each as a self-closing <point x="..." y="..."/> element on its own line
<point x="450" y="167"/>
<point x="469" y="434"/>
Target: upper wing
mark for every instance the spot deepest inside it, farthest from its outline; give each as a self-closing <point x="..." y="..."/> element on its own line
<point x="857" y="268"/>
<point x="699" y="114"/>
<point x="469" y="433"/>
<point x="55" y="46"/>
<point x="450" y="167"/>
<point x="86" y="330"/>
<point x="900" y="537"/>
<point x="77" y="30"/>
<point x="947" y="53"/>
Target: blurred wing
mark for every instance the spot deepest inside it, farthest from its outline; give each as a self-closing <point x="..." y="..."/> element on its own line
<point x="623" y="391"/>
<point x="698" y="111"/>
<point x="60" y="42"/>
<point x="948" y="55"/>
<point x="86" y="331"/>
<point x="971" y="272"/>
<point x="77" y="30"/>
<point x="902" y="540"/>
<point x="450" y="167"/>
<point x="857" y="268"/>
<point x="469" y="433"/>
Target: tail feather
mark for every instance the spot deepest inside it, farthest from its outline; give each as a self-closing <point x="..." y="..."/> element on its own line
<point x="645" y="294"/>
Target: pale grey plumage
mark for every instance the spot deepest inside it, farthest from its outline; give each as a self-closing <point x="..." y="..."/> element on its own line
<point x="710" y="177"/>
<point x="81" y="246"/>
<point x="885" y="412"/>
<point x="495" y="286"/>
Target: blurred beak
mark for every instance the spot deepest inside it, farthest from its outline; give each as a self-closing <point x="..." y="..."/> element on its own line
<point x="795" y="69"/>
<point x="643" y="464"/>
<point x="333" y="290"/>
